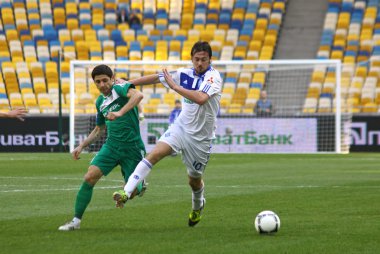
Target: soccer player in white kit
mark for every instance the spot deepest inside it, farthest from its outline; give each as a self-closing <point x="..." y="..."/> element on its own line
<point x="193" y="130"/>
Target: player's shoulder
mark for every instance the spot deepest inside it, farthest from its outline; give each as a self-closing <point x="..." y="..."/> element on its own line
<point x="99" y="100"/>
<point x="213" y="73"/>
<point x="121" y="88"/>
<point x="212" y="70"/>
<point x="187" y="71"/>
<point x="121" y="85"/>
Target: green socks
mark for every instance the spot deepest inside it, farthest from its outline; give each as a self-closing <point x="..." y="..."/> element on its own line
<point x="83" y="199"/>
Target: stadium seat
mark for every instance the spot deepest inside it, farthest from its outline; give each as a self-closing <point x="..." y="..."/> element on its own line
<point x="15" y="100"/>
<point x="30" y="100"/>
<point x="310" y="105"/>
<point x="370" y="107"/>
<point x="4" y="104"/>
<point x="234" y="108"/>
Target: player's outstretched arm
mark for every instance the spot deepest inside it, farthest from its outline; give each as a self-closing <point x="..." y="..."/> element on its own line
<point x="94" y="135"/>
<point x="16" y="113"/>
<point x="195" y="96"/>
<point x="135" y="98"/>
<point x="145" y="80"/>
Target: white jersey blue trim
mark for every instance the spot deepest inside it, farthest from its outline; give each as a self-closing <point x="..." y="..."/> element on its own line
<point x="198" y="120"/>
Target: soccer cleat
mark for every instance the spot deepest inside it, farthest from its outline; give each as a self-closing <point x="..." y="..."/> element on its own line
<point x="196" y="215"/>
<point x="120" y="197"/>
<point x="69" y="226"/>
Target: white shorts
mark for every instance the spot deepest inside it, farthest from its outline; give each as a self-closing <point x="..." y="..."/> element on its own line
<point x="195" y="154"/>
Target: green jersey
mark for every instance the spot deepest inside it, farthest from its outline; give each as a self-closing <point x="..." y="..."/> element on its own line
<point x="125" y="129"/>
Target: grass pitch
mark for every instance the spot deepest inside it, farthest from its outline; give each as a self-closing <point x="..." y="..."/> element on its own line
<point x="326" y="203"/>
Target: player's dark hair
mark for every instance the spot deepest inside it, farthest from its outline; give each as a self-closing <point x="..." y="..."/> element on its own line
<point x="102" y="70"/>
<point x="201" y="46"/>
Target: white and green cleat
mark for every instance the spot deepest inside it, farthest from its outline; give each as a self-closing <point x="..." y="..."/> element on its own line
<point x="120" y="197"/>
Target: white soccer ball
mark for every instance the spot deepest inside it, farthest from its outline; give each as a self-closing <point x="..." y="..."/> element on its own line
<point x="267" y="222"/>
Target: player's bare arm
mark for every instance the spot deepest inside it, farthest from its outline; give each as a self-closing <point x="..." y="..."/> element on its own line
<point x="135" y="98"/>
<point x="195" y="96"/>
<point x="16" y="113"/>
<point x="94" y="135"/>
<point x="146" y="80"/>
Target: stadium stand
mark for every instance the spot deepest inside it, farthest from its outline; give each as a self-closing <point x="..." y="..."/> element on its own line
<point x="33" y="32"/>
<point x="350" y="34"/>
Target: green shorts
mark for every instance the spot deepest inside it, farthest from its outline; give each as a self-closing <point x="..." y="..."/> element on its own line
<point x="127" y="156"/>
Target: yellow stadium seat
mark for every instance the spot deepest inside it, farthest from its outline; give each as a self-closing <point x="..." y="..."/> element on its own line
<point x="370" y="107"/>
<point x="187" y="21"/>
<point x="16" y="101"/>
<point x="258" y="34"/>
<point x="150" y="108"/>
<point x="11" y="35"/>
<point x="234" y="109"/>
<point x="262" y="24"/>
<point x="4" y="105"/>
<point x="30" y="100"/>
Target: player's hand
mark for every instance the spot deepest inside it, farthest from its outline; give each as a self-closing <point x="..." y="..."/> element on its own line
<point x="113" y="116"/>
<point x="76" y="153"/>
<point x="169" y="79"/>
<point x="18" y="113"/>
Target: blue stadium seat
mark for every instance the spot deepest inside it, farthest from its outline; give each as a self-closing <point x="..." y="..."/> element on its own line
<point x="327" y="95"/>
<point x="224" y="18"/>
<point x="95" y="54"/>
<point x="5" y="4"/>
<point x="241" y="4"/>
<point x="46" y="16"/>
<point x="256" y="85"/>
<point x="350" y="53"/>
<point x="25" y="85"/>
<point x="376" y="50"/>
<point x="29" y="43"/>
<point x="120" y="43"/>
<point x="116" y="35"/>
<point x="135" y="46"/>
<point x="230" y="79"/>
<point x="346" y="7"/>
<point x="252" y="8"/>
<point x="59" y="5"/>
<point x="69" y="43"/>
<point x="50" y="33"/>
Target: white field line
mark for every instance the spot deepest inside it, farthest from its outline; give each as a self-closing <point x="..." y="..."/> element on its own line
<point x="158" y="186"/>
<point x="63" y="189"/>
<point x="54" y="178"/>
<point x="209" y="186"/>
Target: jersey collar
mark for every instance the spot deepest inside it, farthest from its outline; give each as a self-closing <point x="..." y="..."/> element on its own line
<point x="203" y="74"/>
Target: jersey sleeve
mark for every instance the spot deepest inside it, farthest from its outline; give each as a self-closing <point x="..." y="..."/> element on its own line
<point x="122" y="89"/>
<point x="175" y="76"/>
<point x="212" y="83"/>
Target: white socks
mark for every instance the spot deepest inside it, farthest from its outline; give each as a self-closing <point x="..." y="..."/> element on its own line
<point x="198" y="198"/>
<point x="141" y="171"/>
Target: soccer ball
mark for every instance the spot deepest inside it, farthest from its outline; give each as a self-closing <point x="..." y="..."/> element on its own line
<point x="267" y="222"/>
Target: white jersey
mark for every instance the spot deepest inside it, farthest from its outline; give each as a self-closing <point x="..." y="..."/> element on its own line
<point x="198" y="120"/>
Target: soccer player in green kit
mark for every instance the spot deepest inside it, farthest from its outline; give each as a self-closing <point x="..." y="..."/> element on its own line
<point x="116" y="110"/>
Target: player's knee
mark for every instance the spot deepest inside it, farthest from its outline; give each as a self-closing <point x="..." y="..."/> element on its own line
<point x="93" y="175"/>
<point x="195" y="183"/>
